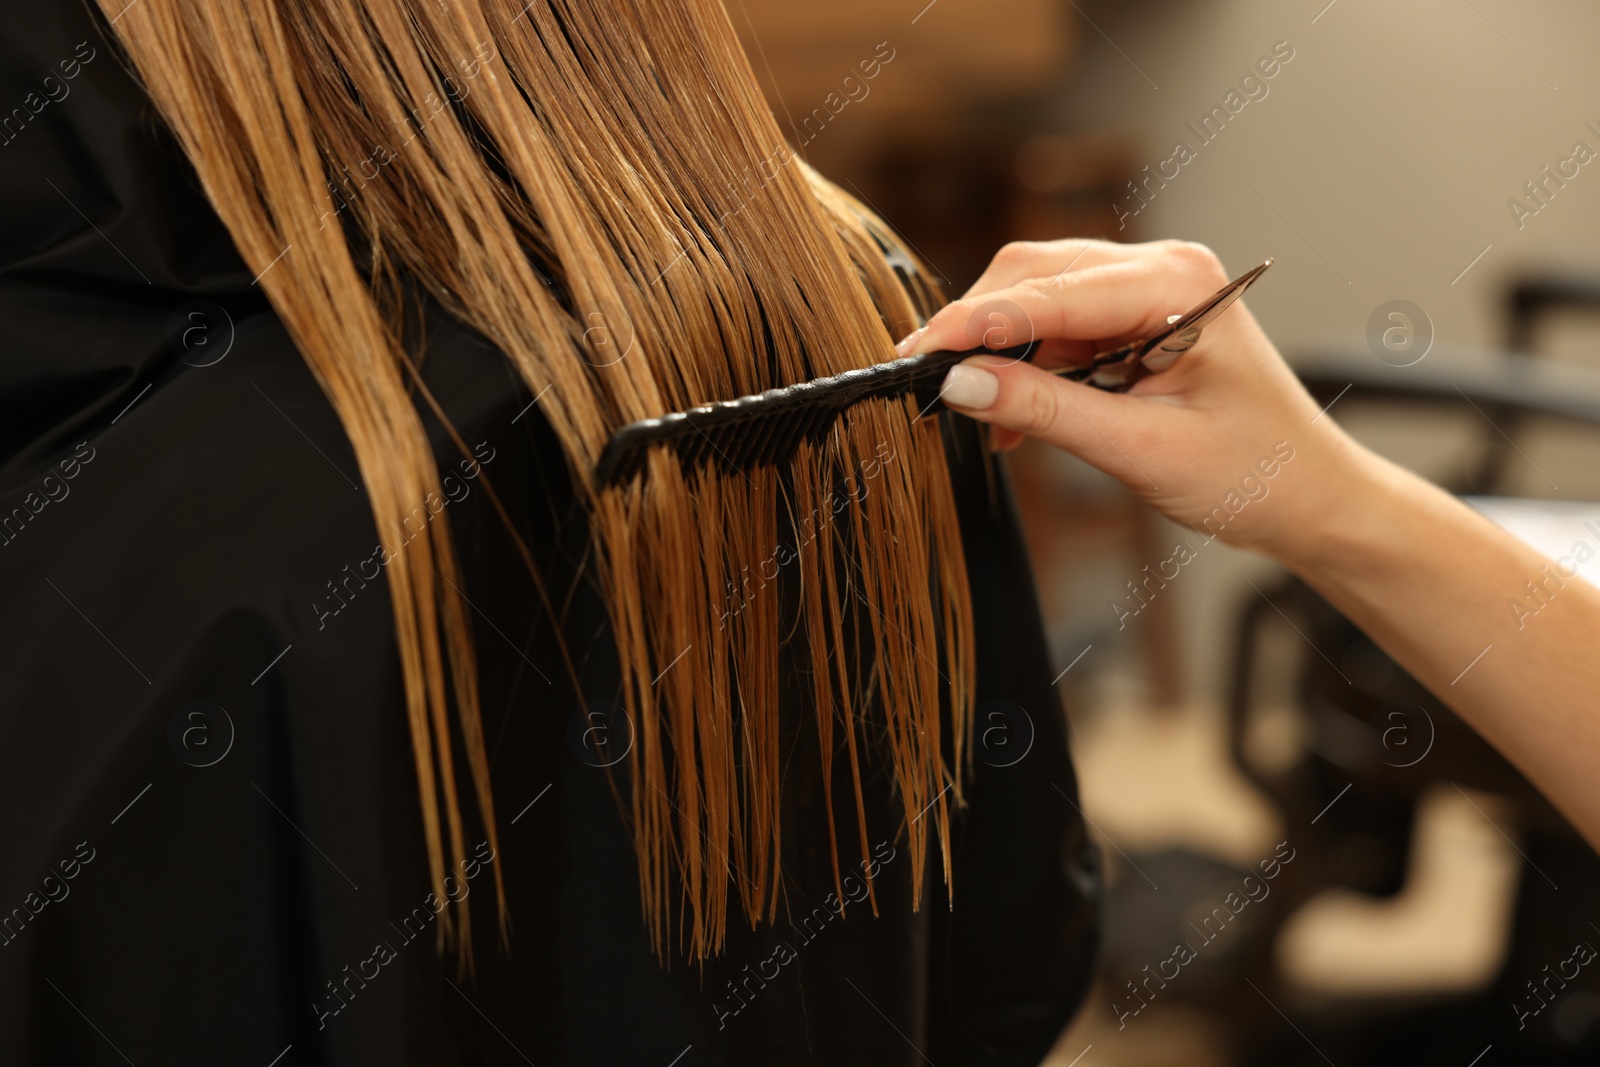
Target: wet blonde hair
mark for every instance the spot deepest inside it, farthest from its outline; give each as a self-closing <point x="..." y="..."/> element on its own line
<point x="563" y="176"/>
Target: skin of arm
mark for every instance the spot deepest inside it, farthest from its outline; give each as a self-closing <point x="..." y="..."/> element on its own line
<point x="1426" y="577"/>
<point x="1432" y="582"/>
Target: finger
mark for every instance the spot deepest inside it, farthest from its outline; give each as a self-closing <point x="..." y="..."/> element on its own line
<point x="1127" y="299"/>
<point x="1096" y="426"/>
<point x="1021" y="260"/>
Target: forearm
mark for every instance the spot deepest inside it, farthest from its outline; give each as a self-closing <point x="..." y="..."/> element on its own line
<point x="1423" y="575"/>
<point x="1434" y="583"/>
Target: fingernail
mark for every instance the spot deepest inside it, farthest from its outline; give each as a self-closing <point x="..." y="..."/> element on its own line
<point x="970" y="387"/>
<point x="904" y="347"/>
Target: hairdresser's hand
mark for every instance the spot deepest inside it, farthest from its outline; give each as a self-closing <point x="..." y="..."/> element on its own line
<point x="1206" y="442"/>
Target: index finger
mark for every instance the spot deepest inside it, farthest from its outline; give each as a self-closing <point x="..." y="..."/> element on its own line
<point x="1019" y="261"/>
<point x="1110" y="301"/>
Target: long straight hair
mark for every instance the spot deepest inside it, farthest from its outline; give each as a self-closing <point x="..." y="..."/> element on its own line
<point x="598" y="187"/>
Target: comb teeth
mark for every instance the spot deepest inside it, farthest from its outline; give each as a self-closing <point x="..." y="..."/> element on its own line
<point x="766" y="428"/>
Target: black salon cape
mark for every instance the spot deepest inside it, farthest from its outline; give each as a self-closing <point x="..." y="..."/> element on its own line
<point x="210" y="839"/>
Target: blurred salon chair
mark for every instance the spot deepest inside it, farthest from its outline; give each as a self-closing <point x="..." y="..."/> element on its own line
<point x="1368" y="742"/>
<point x="1533" y="299"/>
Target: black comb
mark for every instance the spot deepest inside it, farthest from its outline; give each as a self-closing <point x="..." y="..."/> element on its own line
<point x="768" y="427"/>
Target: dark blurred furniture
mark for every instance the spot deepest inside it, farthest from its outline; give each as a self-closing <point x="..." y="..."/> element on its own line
<point x="1531" y="299"/>
<point x="1376" y="740"/>
<point x="917" y="109"/>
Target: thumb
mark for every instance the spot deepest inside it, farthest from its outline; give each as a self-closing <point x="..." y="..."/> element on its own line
<point x="1077" y="418"/>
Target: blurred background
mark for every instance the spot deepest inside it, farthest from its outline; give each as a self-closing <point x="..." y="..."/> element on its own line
<point x="1415" y="170"/>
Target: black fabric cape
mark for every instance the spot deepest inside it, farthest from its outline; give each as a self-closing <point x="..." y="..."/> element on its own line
<point x="211" y="839"/>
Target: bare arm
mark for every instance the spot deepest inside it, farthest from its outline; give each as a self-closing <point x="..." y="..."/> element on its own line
<point x="1433" y="582"/>
<point x="1422" y="574"/>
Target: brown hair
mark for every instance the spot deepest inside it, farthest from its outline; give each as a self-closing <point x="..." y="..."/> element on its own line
<point x="562" y="176"/>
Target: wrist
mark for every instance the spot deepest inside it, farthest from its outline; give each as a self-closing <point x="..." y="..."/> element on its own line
<point x="1350" y="515"/>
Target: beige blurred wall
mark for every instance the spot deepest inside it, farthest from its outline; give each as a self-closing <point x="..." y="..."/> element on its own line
<point x="1392" y="141"/>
